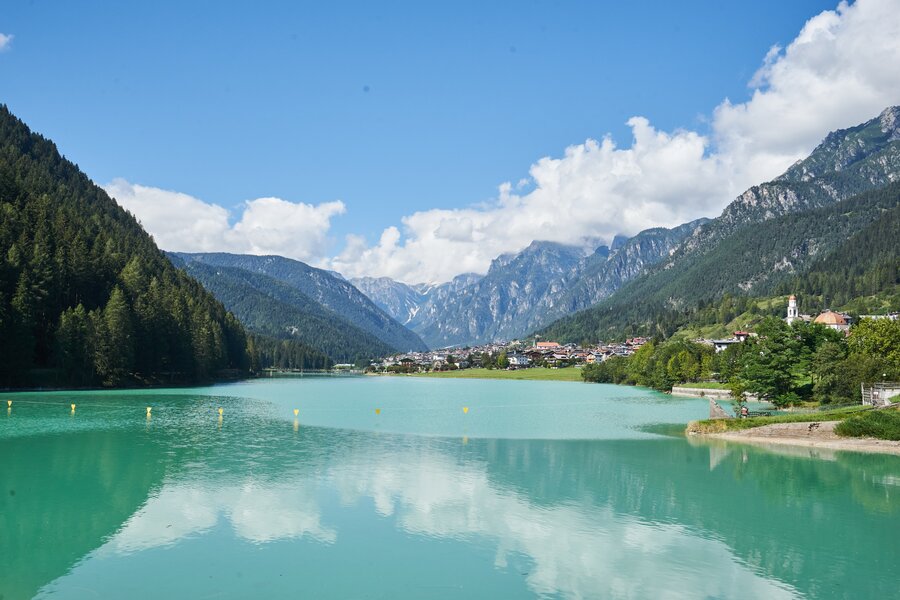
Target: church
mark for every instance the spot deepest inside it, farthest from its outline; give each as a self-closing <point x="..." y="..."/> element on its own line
<point x="828" y="318"/>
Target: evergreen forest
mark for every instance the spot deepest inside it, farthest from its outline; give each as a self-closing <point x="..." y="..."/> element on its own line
<point x="86" y="297"/>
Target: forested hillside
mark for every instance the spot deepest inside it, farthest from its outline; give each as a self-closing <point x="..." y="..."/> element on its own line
<point x="807" y="253"/>
<point x="272" y="308"/>
<point x="86" y="297"/>
<point x="331" y="292"/>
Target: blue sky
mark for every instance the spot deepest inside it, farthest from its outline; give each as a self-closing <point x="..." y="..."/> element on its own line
<point x="391" y="108"/>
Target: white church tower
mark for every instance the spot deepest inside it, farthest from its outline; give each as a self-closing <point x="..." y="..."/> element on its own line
<point x="792" y="312"/>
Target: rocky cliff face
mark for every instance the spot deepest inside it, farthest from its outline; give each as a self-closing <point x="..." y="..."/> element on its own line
<point x="521" y="292"/>
<point x="847" y="162"/>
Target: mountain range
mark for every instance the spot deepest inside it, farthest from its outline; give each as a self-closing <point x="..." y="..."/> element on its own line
<point x="757" y="241"/>
<point x="521" y="292"/>
<point x="287" y="298"/>
<point x="772" y="233"/>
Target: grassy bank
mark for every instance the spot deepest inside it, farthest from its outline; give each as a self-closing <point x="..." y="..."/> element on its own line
<point x="537" y="373"/>
<point x="881" y="424"/>
<point x="723" y="425"/>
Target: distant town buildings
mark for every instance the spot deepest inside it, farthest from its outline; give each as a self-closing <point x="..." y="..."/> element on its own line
<point x="518" y="356"/>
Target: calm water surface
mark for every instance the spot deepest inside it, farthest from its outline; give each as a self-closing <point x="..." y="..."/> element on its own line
<point x="542" y="489"/>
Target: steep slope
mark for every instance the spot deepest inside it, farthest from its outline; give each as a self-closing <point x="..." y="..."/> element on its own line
<point x="86" y="297"/>
<point x="863" y="265"/>
<point x="521" y="291"/>
<point x="507" y="301"/>
<point x="399" y="300"/>
<point x="333" y="293"/>
<point x="267" y="306"/>
<point x="767" y="234"/>
<point x="602" y="275"/>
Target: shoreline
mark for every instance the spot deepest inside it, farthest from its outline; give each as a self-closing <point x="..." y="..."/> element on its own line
<point x="809" y="434"/>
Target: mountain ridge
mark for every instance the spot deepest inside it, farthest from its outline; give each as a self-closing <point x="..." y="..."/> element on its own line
<point x="336" y="294"/>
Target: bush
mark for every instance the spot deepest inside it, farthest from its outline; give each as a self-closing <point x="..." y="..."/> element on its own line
<point x="787" y="399"/>
<point x="881" y="424"/>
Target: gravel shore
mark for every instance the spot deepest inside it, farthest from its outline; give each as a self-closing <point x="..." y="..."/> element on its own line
<point x="812" y="434"/>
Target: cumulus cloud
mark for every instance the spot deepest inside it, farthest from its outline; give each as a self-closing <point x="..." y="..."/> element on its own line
<point x="181" y="222"/>
<point x="840" y="70"/>
<point x="5" y="41"/>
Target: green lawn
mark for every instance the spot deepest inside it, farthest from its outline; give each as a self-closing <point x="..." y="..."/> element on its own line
<point x="537" y="373"/>
<point x="723" y="425"/>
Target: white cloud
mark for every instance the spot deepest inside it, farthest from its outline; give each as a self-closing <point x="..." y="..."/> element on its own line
<point x="5" y="41"/>
<point x="181" y="222"/>
<point x="840" y="70"/>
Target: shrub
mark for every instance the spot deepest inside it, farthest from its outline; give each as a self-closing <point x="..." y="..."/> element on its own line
<point x="881" y="424"/>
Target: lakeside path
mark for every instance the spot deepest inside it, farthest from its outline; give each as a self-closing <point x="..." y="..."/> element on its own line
<point x="814" y="434"/>
<point x="535" y="374"/>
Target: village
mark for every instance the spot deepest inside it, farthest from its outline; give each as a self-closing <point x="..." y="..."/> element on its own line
<point x="519" y="354"/>
<point x="506" y="355"/>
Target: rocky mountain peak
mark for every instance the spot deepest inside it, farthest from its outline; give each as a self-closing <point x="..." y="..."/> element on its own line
<point x="889" y="120"/>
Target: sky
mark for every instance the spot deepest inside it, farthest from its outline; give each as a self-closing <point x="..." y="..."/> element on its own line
<point x="421" y="140"/>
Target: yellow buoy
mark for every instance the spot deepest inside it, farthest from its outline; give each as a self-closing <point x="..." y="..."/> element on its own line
<point x="296" y="411"/>
<point x="73" y="408"/>
<point x="466" y="409"/>
<point x="148" y="410"/>
<point x="9" y="404"/>
<point x="221" y="410"/>
<point x="377" y="411"/>
<point x="465" y="440"/>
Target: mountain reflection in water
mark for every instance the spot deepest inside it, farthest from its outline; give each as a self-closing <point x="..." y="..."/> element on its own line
<point x="259" y="508"/>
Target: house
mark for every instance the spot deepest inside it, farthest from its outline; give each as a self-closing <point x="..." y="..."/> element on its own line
<point x="833" y="320"/>
<point x="547" y="345"/>
<point x="722" y="345"/>
<point x="518" y="361"/>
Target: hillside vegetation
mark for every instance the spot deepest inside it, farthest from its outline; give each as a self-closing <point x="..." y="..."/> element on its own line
<point x="272" y="308"/>
<point x="86" y="297"/>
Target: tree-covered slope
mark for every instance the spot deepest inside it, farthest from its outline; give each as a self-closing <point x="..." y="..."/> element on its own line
<point x="843" y="250"/>
<point x="865" y="265"/>
<point x="768" y="234"/>
<point x="86" y="297"/>
<point x="268" y="306"/>
<point x="334" y="293"/>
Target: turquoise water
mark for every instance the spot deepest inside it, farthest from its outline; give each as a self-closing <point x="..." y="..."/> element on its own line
<point x="541" y="489"/>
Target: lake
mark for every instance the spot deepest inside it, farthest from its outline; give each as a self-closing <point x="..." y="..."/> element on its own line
<point x="421" y="488"/>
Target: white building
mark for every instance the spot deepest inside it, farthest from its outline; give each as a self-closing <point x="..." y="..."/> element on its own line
<point x="793" y="313"/>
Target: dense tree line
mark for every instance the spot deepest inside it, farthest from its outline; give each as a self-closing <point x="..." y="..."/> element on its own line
<point x="86" y="297"/>
<point x="784" y="364"/>
<point x="656" y="364"/>
<point x="836" y="255"/>
<point x="270" y="353"/>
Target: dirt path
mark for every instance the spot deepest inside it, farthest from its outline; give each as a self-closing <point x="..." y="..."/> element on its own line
<point x="812" y="435"/>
